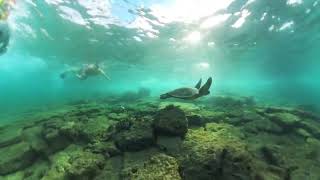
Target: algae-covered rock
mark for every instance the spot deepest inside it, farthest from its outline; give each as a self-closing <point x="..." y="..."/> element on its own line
<point x="187" y="107"/>
<point x="215" y="153"/>
<point x="158" y="167"/>
<point x="138" y="136"/>
<point x="133" y="159"/>
<point x="95" y="129"/>
<point x="312" y="127"/>
<point x="226" y="103"/>
<point x="171" y="121"/>
<point x="210" y="115"/>
<point x="112" y="169"/>
<point x="53" y="136"/>
<point x="36" y="171"/>
<point x="108" y="149"/>
<point x="74" y="163"/>
<point x="195" y="120"/>
<point x="55" y="139"/>
<point x="271" y="155"/>
<point x="118" y="116"/>
<point x="302" y="132"/>
<point x="33" y="135"/>
<point x="84" y="165"/>
<point x="263" y="125"/>
<point x="287" y="120"/>
<point x="226" y="131"/>
<point x="16" y="157"/>
<point x="9" y="135"/>
<point x="169" y="144"/>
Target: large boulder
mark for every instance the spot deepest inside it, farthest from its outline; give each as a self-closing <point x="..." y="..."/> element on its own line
<point x="171" y="121"/>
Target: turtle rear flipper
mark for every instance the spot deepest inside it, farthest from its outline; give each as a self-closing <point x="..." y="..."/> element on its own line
<point x="198" y="85"/>
<point x="204" y="90"/>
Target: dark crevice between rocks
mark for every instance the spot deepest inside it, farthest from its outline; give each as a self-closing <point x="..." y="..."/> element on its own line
<point x="269" y="156"/>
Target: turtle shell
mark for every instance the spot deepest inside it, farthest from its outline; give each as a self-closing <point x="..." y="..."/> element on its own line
<point x="184" y="93"/>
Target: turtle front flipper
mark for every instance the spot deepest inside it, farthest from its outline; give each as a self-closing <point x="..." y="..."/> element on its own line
<point x="198" y="85"/>
<point x="204" y="90"/>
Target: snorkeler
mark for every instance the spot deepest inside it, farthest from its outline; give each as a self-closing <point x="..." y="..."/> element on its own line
<point x="85" y="72"/>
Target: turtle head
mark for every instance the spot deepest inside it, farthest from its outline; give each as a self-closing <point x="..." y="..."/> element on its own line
<point x="164" y="96"/>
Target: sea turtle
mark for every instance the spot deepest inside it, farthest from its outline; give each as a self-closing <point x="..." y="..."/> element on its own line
<point x="189" y="93"/>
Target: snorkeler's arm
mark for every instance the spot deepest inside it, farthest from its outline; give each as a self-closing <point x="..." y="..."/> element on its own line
<point x="104" y="74"/>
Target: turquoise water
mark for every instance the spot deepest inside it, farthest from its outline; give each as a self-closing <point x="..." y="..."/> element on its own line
<point x="265" y="49"/>
<point x="62" y="117"/>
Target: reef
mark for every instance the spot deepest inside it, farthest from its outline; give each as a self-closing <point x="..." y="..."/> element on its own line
<point x="220" y="138"/>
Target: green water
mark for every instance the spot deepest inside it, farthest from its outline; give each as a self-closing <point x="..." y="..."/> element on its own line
<point x="263" y="57"/>
<point x="266" y="49"/>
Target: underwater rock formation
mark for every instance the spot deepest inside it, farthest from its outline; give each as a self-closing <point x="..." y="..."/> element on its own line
<point x="160" y="166"/>
<point x="215" y="153"/>
<point x="232" y="140"/>
<point x="16" y="157"/>
<point x="74" y="163"/>
<point x="138" y="136"/>
<point x="171" y="121"/>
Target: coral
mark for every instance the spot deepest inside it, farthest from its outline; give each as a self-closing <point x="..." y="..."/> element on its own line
<point x="171" y="121"/>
